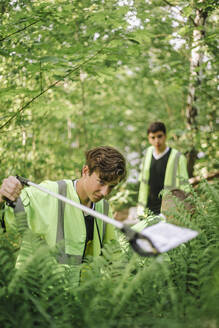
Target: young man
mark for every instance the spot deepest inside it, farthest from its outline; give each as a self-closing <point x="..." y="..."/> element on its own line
<point x="163" y="168"/>
<point x="56" y="221"/>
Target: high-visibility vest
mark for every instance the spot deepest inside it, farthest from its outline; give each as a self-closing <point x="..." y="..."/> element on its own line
<point x="176" y="176"/>
<point x="57" y="221"/>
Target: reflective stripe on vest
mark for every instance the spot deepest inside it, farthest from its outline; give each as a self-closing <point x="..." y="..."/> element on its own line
<point x="176" y="163"/>
<point x="142" y="178"/>
<point x="106" y="212"/>
<point x="64" y="258"/>
<point x="20" y="216"/>
<point x="143" y="189"/>
<point x="62" y="190"/>
<point x="174" y="173"/>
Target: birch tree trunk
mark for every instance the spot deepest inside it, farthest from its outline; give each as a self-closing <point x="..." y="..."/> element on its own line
<point x="196" y="59"/>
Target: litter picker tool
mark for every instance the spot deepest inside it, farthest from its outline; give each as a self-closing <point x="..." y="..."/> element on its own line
<point x="152" y="241"/>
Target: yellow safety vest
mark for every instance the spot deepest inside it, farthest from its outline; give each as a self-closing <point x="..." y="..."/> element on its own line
<point x="57" y="221"/>
<point x="176" y="176"/>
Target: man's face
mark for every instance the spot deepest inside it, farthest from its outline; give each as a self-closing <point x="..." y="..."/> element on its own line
<point x="158" y="140"/>
<point x="95" y="187"/>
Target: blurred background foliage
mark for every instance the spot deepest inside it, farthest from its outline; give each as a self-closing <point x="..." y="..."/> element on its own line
<point x="78" y="74"/>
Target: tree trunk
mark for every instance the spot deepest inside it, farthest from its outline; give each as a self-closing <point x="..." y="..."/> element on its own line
<point x="196" y="59"/>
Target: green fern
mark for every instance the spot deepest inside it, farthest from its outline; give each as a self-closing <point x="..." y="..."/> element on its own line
<point x="119" y="289"/>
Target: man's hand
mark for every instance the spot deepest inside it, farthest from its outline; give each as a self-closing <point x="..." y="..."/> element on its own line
<point x="10" y="188"/>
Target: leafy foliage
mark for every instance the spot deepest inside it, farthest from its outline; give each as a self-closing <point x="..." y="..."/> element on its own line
<point x="79" y="74"/>
<point x="119" y="289"/>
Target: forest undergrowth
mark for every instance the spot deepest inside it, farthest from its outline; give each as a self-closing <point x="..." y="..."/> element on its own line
<point x="120" y="289"/>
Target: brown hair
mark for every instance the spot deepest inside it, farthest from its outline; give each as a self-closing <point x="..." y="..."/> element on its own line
<point x="157" y="126"/>
<point x="108" y="161"/>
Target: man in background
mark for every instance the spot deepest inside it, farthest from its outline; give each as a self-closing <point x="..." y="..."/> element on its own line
<point x="163" y="168"/>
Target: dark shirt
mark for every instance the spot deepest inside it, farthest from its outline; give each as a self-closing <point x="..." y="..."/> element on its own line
<point x="89" y="222"/>
<point x="156" y="182"/>
<point x="2" y="218"/>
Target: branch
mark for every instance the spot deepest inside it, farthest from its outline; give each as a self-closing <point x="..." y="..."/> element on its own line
<point x="22" y="29"/>
<point x="209" y="176"/>
<point x="168" y="3"/>
<point x="172" y="5"/>
<point x="48" y="88"/>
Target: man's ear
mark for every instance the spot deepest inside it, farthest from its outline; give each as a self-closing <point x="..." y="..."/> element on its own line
<point x="85" y="171"/>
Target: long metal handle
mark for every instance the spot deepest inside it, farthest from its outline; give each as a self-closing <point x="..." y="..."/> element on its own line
<point x="86" y="209"/>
